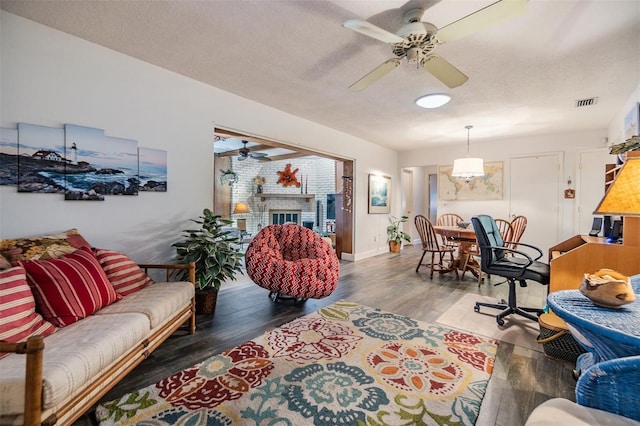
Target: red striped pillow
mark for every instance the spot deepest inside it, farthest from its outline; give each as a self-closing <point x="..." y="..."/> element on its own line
<point x="69" y="288"/>
<point x="18" y="317"/>
<point x="125" y="275"/>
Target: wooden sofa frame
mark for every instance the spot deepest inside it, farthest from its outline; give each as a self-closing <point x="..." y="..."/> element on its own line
<point x="95" y="389"/>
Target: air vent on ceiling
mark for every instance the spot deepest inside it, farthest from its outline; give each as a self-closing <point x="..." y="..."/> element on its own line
<point x="586" y="102"/>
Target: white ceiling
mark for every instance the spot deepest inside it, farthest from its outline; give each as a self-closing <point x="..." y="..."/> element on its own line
<point x="525" y="74"/>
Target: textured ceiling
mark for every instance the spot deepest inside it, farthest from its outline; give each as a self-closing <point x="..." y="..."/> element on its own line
<point x="525" y="74"/>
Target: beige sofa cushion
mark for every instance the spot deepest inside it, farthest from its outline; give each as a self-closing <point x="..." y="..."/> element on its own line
<point x="72" y="356"/>
<point x="157" y="301"/>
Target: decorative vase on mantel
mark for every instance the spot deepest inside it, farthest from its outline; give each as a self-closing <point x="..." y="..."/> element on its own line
<point x="258" y="189"/>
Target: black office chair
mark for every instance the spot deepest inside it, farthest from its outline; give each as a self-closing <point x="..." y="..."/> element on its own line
<point x="517" y="266"/>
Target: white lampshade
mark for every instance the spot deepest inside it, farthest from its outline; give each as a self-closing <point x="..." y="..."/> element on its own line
<point x="468" y="167"/>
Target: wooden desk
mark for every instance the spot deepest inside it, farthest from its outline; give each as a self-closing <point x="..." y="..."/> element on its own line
<point x="580" y="254"/>
<point x="570" y="259"/>
<point x="466" y="238"/>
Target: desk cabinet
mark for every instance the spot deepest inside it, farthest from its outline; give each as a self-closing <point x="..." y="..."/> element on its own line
<point x="580" y="254"/>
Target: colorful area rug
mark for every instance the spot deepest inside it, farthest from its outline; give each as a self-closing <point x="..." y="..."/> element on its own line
<point x="346" y="364"/>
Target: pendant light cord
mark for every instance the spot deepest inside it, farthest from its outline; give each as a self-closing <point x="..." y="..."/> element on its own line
<point x="468" y="127"/>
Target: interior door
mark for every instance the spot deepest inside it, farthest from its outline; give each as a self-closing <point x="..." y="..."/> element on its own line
<point x="407" y="201"/>
<point x="535" y="187"/>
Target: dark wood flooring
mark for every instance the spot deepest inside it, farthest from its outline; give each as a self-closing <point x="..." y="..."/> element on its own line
<point x="522" y="378"/>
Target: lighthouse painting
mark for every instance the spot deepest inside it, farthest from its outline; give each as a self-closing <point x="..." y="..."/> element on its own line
<point x="82" y="162"/>
<point x="85" y="153"/>
<point x="41" y="161"/>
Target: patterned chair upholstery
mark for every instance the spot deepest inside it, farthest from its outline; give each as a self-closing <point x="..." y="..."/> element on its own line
<point x="291" y="260"/>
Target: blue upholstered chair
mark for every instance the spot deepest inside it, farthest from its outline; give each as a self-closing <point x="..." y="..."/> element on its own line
<point x="612" y="386"/>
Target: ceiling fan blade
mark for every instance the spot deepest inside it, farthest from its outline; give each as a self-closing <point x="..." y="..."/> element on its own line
<point x="482" y="19"/>
<point x="242" y="158"/>
<point x="258" y="154"/>
<point x="444" y="71"/>
<point x="375" y="75"/>
<point x="370" y="30"/>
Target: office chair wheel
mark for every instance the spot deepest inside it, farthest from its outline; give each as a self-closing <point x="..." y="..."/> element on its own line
<point x="476" y="308"/>
<point x="500" y="321"/>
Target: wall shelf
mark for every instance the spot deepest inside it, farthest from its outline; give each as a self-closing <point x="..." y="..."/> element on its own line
<point x="305" y="197"/>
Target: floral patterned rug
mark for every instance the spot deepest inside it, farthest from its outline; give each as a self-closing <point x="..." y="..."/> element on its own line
<point x="346" y="364"/>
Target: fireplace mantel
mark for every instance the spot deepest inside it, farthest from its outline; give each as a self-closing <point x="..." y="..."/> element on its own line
<point x="306" y="197"/>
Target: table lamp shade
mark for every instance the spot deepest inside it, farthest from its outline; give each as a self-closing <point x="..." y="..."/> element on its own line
<point x="623" y="196"/>
<point x="241" y="208"/>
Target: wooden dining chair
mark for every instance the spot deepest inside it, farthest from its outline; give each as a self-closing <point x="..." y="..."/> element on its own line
<point x="430" y="244"/>
<point x="449" y="219"/>
<point x="518" y="225"/>
<point x="506" y="231"/>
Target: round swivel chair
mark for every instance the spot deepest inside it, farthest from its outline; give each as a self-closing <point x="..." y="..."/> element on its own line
<point x="292" y="261"/>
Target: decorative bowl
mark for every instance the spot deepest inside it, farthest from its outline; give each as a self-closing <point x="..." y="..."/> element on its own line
<point x="607" y="288"/>
<point x="463" y="225"/>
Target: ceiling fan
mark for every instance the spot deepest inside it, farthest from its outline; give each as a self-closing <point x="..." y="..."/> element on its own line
<point x="416" y="40"/>
<point x="245" y="153"/>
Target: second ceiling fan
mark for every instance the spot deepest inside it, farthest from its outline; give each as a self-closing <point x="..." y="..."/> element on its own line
<point x="416" y="40"/>
<point x="245" y="153"/>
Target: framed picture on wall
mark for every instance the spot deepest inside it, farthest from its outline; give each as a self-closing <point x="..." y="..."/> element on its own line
<point x="379" y="194"/>
<point x="631" y="122"/>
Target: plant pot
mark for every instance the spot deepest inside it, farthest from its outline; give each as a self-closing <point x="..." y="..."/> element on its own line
<point x="206" y="302"/>
<point x="394" y="246"/>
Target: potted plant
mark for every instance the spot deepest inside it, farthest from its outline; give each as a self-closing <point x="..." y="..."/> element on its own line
<point x="216" y="256"/>
<point x="395" y="235"/>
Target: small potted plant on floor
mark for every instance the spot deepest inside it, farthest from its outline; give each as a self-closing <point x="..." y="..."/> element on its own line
<point x="395" y="235"/>
<point x="216" y="255"/>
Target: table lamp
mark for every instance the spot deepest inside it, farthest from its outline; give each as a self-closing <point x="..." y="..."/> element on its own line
<point x="241" y="208"/>
<point x="623" y="199"/>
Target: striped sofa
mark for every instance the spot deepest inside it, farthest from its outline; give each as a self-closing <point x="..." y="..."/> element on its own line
<point x="55" y="379"/>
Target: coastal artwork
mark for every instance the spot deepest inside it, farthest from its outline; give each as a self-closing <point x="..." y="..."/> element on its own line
<point x="81" y="162"/>
<point x="379" y="194"/>
<point x="8" y="156"/>
<point x="152" y="165"/>
<point x="41" y="161"/>
<point x="121" y="166"/>
<point x="85" y="158"/>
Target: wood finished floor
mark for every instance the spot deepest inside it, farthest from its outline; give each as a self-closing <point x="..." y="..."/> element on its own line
<point x="521" y="380"/>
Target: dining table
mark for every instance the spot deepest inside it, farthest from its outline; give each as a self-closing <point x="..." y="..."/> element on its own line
<point x="467" y="247"/>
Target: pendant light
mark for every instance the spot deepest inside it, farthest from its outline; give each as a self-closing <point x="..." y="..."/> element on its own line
<point x="467" y="168"/>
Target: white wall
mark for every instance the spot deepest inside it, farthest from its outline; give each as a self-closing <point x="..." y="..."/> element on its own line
<point x="51" y="78"/>
<point x="569" y="144"/>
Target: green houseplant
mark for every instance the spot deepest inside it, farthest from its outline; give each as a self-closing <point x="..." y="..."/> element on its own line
<point x="215" y="254"/>
<point x="395" y="235"/>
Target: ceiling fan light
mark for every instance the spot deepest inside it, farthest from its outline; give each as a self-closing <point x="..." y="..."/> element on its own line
<point x="434" y="100"/>
<point x="467" y="168"/>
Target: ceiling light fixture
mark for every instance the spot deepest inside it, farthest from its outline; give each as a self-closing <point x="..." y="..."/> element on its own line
<point x="467" y="168"/>
<point x="434" y="100"/>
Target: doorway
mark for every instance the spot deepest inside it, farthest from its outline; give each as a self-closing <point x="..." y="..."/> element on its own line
<point x="239" y="152"/>
<point x="407" y="201"/>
